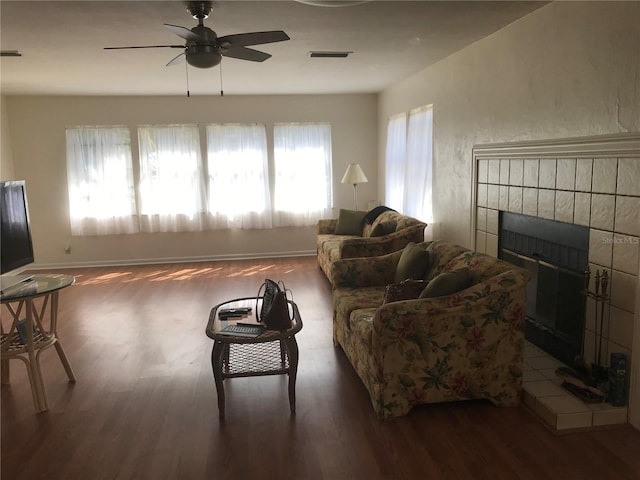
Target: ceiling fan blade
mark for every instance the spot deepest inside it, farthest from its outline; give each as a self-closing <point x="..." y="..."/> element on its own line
<point x="145" y="46"/>
<point x="10" y="53"/>
<point x="244" y="53"/>
<point x="185" y="33"/>
<point x="254" y="38"/>
<point x="177" y="59"/>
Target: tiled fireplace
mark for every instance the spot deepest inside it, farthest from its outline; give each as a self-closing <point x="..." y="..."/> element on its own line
<point x="592" y="182"/>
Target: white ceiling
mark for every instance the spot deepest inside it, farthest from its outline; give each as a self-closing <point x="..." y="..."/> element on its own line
<point x="62" y="45"/>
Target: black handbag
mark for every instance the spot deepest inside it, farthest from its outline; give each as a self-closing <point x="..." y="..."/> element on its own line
<point x="274" y="312"/>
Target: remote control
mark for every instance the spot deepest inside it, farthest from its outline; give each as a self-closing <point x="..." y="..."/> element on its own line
<point x="235" y="311"/>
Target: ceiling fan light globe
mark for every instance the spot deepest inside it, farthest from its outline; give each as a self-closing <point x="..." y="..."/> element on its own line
<point x="203" y="56"/>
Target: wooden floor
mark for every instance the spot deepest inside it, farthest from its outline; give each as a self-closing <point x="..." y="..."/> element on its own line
<point x="144" y="405"/>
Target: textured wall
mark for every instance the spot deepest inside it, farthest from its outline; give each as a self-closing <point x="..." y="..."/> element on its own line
<point x="568" y="69"/>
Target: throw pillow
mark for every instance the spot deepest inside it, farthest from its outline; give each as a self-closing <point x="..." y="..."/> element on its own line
<point x="350" y="222"/>
<point x="413" y="262"/>
<point x="384" y="228"/>
<point x="447" y="283"/>
<point x="406" y="290"/>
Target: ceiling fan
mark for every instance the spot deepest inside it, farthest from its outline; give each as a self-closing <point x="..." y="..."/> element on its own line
<point x="204" y="49"/>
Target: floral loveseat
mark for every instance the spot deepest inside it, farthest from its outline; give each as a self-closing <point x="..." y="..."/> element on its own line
<point x="386" y="231"/>
<point x="460" y="346"/>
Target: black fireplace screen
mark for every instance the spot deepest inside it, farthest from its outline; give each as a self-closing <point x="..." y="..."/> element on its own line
<point x="556" y="254"/>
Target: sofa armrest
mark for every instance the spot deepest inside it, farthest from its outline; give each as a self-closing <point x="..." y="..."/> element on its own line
<point x="376" y="246"/>
<point x="364" y="272"/>
<point x="326" y="226"/>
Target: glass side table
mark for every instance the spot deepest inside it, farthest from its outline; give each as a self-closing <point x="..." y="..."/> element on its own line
<point x="29" y="334"/>
<point x="271" y="353"/>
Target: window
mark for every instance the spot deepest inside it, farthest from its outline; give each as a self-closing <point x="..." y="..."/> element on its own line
<point x="408" y="183"/>
<point x="417" y="194"/>
<point x="239" y="194"/>
<point x="100" y="181"/>
<point x="303" y="178"/>
<point x="396" y="159"/>
<point x="171" y="178"/>
<point x="168" y="188"/>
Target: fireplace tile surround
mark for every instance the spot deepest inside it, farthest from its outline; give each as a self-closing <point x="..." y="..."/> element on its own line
<point x="593" y="182"/>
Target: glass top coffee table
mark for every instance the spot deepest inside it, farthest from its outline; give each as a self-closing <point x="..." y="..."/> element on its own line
<point x="272" y="352"/>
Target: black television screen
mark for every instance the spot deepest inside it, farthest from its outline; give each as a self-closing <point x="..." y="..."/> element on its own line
<point x="16" y="248"/>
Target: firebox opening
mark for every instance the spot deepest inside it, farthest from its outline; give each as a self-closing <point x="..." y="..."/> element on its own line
<point x="556" y="254"/>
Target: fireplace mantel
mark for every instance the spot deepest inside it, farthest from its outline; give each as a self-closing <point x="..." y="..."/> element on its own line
<point x="588" y="181"/>
<point x="627" y="144"/>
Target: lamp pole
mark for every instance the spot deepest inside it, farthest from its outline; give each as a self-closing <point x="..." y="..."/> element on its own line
<point x="355" y="196"/>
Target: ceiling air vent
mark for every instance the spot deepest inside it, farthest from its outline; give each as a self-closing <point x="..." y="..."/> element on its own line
<point x="329" y="54"/>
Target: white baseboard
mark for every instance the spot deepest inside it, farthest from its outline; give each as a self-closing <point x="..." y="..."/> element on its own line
<point x="155" y="261"/>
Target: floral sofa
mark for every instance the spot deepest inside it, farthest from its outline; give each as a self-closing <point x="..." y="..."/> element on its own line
<point x="332" y="246"/>
<point x="465" y="345"/>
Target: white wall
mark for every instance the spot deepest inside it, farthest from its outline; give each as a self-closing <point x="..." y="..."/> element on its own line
<point x="6" y="159"/>
<point x="568" y="69"/>
<point x="39" y="156"/>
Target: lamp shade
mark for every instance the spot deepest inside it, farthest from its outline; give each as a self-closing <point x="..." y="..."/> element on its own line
<point x="354" y="174"/>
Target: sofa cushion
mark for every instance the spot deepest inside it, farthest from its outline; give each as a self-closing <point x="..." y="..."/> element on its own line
<point x="350" y="222"/>
<point x="405" y="290"/>
<point x="383" y="228"/>
<point x="447" y="283"/>
<point x="413" y="263"/>
<point x="346" y="300"/>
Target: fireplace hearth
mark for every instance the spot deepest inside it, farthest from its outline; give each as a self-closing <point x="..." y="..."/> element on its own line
<point x="556" y="254"/>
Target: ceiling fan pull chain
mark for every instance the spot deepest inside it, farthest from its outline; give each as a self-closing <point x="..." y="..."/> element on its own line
<point x="186" y="70"/>
<point x="221" y="91"/>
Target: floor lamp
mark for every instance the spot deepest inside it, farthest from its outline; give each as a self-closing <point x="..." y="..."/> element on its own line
<point x="354" y="175"/>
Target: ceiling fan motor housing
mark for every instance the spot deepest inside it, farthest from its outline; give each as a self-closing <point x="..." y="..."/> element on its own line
<point x="204" y="53"/>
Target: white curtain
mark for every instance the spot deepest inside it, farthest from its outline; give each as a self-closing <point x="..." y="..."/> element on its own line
<point x="100" y="181"/>
<point x="418" y="175"/>
<point x="395" y="161"/>
<point x="303" y="178"/>
<point x="171" y="178"/>
<point x="239" y="194"/>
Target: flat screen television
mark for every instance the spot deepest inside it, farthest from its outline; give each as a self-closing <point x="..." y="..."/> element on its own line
<point x="16" y="248"/>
